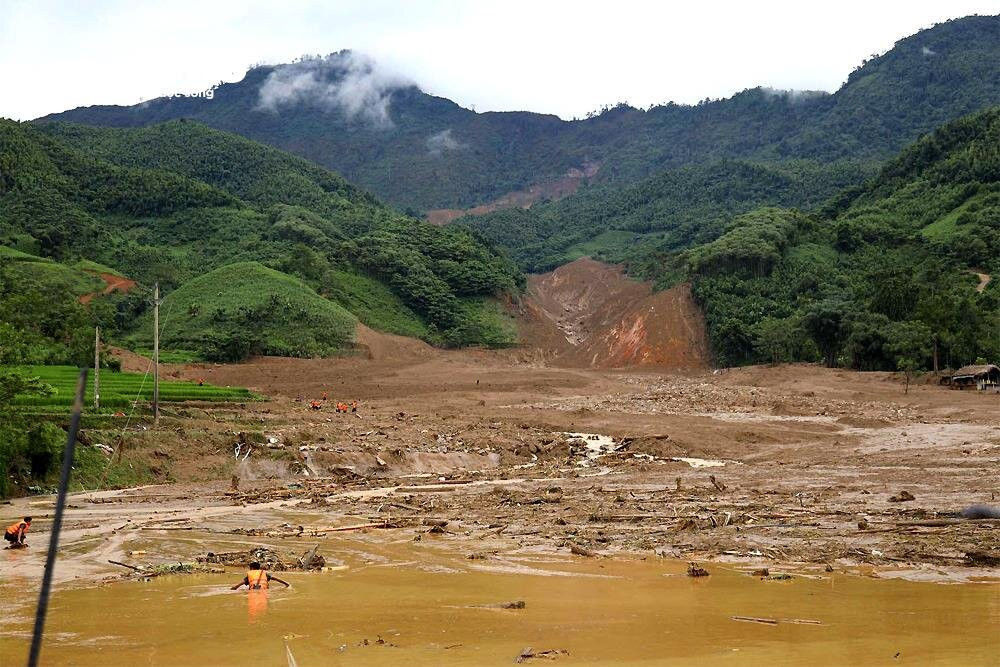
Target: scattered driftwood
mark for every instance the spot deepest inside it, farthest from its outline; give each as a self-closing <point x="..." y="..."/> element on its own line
<point x="441" y="523"/>
<point x="695" y="571"/>
<point x="982" y="559"/>
<point x="550" y="654"/>
<point x="716" y="483"/>
<point x="404" y="506"/>
<point x="515" y="604"/>
<point x="268" y="559"/>
<point x="311" y="561"/>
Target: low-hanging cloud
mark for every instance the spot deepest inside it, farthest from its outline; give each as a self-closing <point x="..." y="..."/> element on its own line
<point x="928" y="51"/>
<point x="441" y="142"/>
<point x="792" y="95"/>
<point x="349" y="82"/>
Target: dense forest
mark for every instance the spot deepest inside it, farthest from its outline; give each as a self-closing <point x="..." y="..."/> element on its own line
<point x="170" y="203"/>
<point x="644" y="225"/>
<point x="420" y="152"/>
<point x="883" y="277"/>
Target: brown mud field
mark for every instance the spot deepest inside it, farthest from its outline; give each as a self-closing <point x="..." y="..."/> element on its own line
<point x="476" y="461"/>
<point x="786" y="464"/>
<point x="579" y="474"/>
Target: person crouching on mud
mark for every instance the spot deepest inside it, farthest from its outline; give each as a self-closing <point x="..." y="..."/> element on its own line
<point x="258" y="579"/>
<point x="15" y="533"/>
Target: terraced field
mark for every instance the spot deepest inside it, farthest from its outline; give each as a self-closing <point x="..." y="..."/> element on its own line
<point x="119" y="390"/>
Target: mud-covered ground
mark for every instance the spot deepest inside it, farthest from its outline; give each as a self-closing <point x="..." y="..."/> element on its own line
<point x="793" y="464"/>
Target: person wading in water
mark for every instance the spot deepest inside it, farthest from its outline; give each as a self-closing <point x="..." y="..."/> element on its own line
<point x="258" y="579"/>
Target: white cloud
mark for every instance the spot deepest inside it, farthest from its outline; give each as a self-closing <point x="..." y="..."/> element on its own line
<point x="349" y="82"/>
<point x="440" y="143"/>
<point x="571" y="57"/>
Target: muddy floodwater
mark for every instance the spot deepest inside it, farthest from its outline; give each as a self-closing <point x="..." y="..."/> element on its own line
<point x="392" y="605"/>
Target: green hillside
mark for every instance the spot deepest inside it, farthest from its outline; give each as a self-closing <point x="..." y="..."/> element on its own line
<point x="41" y="318"/>
<point x="170" y="203"/>
<point x="878" y="279"/>
<point x="645" y="224"/>
<point x="247" y="309"/>
<point x="428" y="152"/>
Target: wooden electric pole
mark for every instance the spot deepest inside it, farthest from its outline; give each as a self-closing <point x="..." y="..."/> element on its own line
<point x="97" y="368"/>
<point x="156" y="353"/>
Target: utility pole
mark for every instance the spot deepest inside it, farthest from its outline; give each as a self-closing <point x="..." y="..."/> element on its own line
<point x="156" y="353"/>
<point x="97" y="368"/>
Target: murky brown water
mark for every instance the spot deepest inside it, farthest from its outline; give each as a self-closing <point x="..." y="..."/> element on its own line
<point x="431" y="607"/>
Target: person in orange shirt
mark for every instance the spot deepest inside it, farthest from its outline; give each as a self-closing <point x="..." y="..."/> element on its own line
<point x="15" y="533"/>
<point x="258" y="579"/>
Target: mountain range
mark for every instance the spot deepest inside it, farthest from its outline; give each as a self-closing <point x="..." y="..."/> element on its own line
<point x="860" y="228"/>
<point x="421" y="152"/>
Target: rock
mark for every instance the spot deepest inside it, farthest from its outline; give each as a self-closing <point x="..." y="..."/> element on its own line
<point x="902" y="497"/>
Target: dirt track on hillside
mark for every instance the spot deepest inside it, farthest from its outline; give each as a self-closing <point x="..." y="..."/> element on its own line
<point x="113" y="283"/>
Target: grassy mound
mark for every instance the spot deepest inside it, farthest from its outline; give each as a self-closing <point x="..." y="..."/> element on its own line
<point x="374" y="303"/>
<point x="41" y="275"/>
<point x="247" y="309"/>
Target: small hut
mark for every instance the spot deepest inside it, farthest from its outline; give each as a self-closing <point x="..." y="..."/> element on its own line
<point x="984" y="377"/>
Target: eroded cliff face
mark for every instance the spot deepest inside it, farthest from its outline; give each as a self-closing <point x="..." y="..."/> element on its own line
<point x="588" y="314"/>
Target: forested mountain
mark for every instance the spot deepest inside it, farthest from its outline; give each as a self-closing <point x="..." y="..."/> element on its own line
<point x="645" y="225"/>
<point x="420" y="151"/>
<point x="172" y="202"/>
<point x="888" y="275"/>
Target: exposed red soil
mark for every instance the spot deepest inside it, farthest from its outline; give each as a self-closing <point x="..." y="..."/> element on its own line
<point x="561" y="187"/>
<point x="588" y="314"/>
<point x="113" y="284"/>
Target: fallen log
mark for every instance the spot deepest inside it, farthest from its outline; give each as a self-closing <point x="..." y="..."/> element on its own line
<point x="775" y="621"/>
<point x="755" y="619"/>
<point x="426" y="489"/>
<point x="357" y="526"/>
<point x="131" y="567"/>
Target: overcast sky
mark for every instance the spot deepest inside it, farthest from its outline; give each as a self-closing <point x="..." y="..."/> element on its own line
<point x="551" y="56"/>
